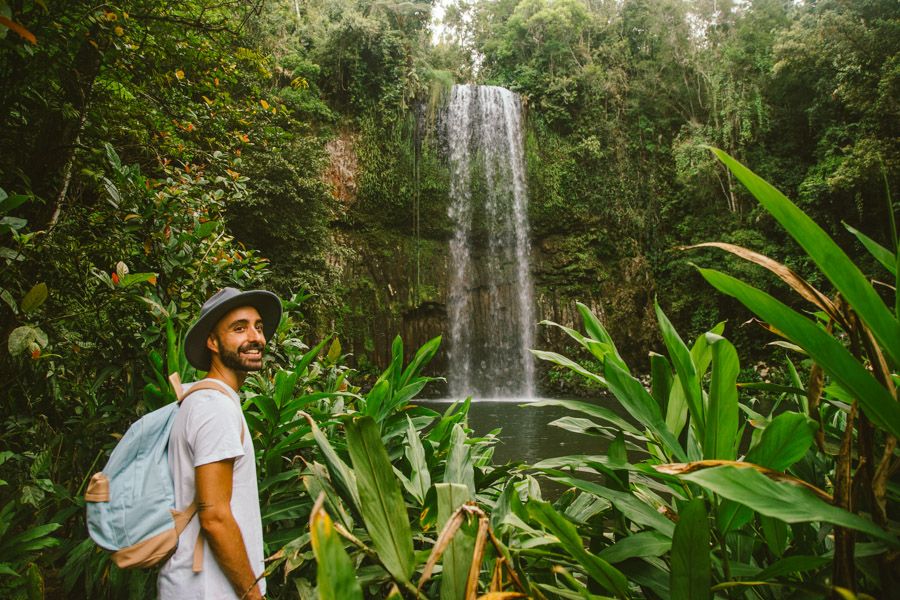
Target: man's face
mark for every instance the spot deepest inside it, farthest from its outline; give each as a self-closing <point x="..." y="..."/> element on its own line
<point x="238" y="339"/>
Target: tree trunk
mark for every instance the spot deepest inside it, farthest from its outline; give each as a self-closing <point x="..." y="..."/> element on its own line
<point x="53" y="151"/>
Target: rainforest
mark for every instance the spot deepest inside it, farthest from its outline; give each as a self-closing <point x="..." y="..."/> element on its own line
<point x="582" y="298"/>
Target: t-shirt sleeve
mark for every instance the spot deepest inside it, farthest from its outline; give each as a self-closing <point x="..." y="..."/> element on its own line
<point x="215" y="428"/>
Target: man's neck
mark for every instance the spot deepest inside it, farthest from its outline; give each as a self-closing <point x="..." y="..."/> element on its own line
<point x="234" y="379"/>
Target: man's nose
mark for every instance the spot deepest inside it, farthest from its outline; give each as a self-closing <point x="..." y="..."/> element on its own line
<point x="257" y="336"/>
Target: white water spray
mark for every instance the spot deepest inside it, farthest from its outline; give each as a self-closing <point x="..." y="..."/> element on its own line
<point x="491" y="308"/>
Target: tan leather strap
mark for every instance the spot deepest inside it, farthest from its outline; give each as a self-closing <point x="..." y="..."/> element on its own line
<point x="182" y="518"/>
<point x="198" y="553"/>
<point x="203" y="384"/>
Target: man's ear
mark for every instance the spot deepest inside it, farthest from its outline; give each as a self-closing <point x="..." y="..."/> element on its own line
<point x="212" y="342"/>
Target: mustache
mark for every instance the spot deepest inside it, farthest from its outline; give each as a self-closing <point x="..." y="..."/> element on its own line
<point x="251" y="346"/>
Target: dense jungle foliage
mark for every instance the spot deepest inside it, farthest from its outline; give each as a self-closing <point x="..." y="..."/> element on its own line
<point x="152" y="152"/>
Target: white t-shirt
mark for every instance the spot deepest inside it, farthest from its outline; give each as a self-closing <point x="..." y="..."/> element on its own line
<point x="207" y="429"/>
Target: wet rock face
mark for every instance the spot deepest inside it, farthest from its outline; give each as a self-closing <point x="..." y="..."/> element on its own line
<point x="343" y="166"/>
<point x="395" y="282"/>
<point x="379" y="292"/>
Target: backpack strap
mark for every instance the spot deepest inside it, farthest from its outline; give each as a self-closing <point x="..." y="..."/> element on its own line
<point x="182" y="519"/>
<point x="191" y="510"/>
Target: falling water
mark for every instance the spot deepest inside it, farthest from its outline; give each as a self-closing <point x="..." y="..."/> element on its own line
<point x="491" y="303"/>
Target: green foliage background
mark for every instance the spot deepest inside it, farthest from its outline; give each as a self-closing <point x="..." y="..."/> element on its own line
<point x="153" y="151"/>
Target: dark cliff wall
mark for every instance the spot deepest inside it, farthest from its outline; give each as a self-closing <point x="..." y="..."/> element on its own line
<point x="391" y="252"/>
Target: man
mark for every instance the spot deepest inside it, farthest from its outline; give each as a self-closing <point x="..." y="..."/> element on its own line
<point x="211" y="454"/>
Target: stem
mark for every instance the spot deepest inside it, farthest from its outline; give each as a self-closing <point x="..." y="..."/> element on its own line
<point x="844" y="573"/>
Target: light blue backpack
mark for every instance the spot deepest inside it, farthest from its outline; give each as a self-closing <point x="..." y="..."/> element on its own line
<point x="131" y="503"/>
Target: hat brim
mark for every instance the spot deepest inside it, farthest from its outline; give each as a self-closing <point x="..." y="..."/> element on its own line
<point x="268" y="305"/>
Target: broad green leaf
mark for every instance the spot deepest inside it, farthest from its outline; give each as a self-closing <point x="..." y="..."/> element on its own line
<point x="267" y="407"/>
<point x="722" y="409"/>
<point x="23" y="339"/>
<point x="828" y="256"/>
<point x="174" y="354"/>
<point x="583" y="426"/>
<point x="130" y="279"/>
<point x="597" y="331"/>
<point x="791" y="565"/>
<point x="776" y="534"/>
<point x="881" y="254"/>
<point x="381" y="503"/>
<point x="593" y="410"/>
<point x="784" y="441"/>
<point x="684" y="367"/>
<point x="690" y="575"/>
<point x="310" y="356"/>
<point x="629" y="505"/>
<point x="600" y="350"/>
<point x="458" y="555"/>
<point x="661" y="380"/>
<point x="676" y="408"/>
<point x="9" y="203"/>
<point x="343" y="475"/>
<point x="284" y="387"/>
<point x="641" y="405"/>
<point x="598" y="569"/>
<point x="34" y="298"/>
<point x="420" y="478"/>
<point x="8" y="224"/>
<point x="701" y="351"/>
<point x="203" y="230"/>
<point x="781" y="500"/>
<point x="459" y="468"/>
<point x="316" y="482"/>
<point x="638" y="545"/>
<point x="423" y="357"/>
<point x="335" y="575"/>
<point x="334" y="352"/>
<point x="876" y="401"/>
<point x="569" y="364"/>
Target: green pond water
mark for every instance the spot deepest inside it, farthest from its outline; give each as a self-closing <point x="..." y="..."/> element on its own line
<point x="526" y="431"/>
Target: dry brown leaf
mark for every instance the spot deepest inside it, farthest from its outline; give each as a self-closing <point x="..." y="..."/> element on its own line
<point x="477" y="555"/>
<point x="797" y="283"/>
<point x="685" y="468"/>
<point x="446" y="536"/>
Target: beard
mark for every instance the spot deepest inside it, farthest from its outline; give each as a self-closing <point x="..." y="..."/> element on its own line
<point x="235" y="361"/>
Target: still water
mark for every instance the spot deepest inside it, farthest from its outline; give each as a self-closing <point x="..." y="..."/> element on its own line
<point x="526" y="432"/>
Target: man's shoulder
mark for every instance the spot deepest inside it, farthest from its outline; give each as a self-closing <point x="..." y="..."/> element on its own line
<point x="213" y="391"/>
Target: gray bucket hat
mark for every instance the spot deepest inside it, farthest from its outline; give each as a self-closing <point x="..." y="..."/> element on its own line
<point x="226" y="299"/>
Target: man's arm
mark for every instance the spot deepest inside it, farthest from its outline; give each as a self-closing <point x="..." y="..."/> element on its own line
<point x="214" y="481"/>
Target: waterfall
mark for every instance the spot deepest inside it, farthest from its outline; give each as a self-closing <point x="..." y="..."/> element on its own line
<point x="490" y="306"/>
